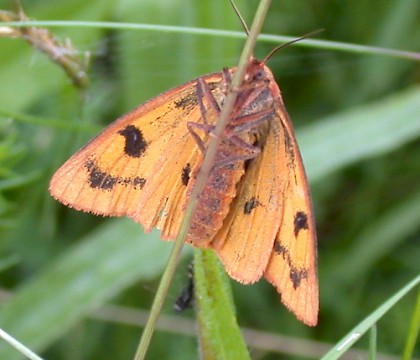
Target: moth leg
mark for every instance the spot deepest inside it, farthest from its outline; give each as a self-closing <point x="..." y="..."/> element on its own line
<point x="233" y="159"/>
<point x="250" y="150"/>
<point x="204" y="93"/>
<point x="240" y="143"/>
<point x="240" y="124"/>
<point x="207" y="128"/>
<point x="242" y="151"/>
<point x="227" y="78"/>
<point x="249" y="121"/>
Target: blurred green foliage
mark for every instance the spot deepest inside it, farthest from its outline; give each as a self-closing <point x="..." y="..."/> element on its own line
<point x="358" y="124"/>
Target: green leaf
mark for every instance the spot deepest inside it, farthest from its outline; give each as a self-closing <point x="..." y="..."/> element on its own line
<point x="220" y="336"/>
<point x="354" y="335"/>
<point x="107" y="261"/>
<point x="371" y="130"/>
<point x="379" y="238"/>
<point x="413" y="331"/>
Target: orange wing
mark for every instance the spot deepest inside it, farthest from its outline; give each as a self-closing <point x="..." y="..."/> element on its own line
<point x="292" y="267"/>
<point x="270" y="227"/>
<point x="245" y="242"/>
<point x="139" y="165"/>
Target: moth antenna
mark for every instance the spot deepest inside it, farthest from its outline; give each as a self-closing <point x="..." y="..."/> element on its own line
<point x="241" y="19"/>
<point x="277" y="48"/>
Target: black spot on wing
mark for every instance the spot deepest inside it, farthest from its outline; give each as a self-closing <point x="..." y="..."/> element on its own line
<point x="99" y="179"/>
<point x="135" y="144"/>
<point x="187" y="102"/>
<point x="296" y="274"/>
<point x="138" y="182"/>
<point x="185" y="176"/>
<point x="280" y="249"/>
<point x="300" y="222"/>
<point x="250" y="205"/>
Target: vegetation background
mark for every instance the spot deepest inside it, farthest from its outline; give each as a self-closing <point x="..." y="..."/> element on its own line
<point x="357" y="121"/>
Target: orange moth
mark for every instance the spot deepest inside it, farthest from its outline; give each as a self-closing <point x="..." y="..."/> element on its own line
<point x="255" y="210"/>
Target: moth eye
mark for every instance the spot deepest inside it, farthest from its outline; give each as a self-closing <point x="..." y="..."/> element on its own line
<point x="259" y="75"/>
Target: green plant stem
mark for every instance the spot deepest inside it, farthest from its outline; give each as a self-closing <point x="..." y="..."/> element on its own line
<point x="201" y="180"/>
<point x="413" y="331"/>
<point x="19" y="346"/>
<point x="276" y="39"/>
<point x="354" y="335"/>
<point x="373" y="338"/>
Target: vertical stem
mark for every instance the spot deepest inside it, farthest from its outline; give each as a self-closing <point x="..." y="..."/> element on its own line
<point x="373" y="339"/>
<point x="201" y="180"/>
<point x="413" y="331"/>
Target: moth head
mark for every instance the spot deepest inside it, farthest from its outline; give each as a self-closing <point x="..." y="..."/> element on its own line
<point x="256" y="72"/>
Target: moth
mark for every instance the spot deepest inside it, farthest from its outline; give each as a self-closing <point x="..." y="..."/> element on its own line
<point x="255" y="211"/>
